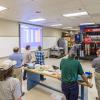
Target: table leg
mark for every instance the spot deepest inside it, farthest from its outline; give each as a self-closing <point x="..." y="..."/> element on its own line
<point x="82" y="92"/>
<point x="32" y="80"/>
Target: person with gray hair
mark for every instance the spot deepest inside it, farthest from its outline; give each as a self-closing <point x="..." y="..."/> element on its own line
<point x="96" y="65"/>
<point x="61" y="43"/>
<point x="10" y="88"/>
<point x="72" y="55"/>
<point x="70" y="69"/>
<point x="75" y="49"/>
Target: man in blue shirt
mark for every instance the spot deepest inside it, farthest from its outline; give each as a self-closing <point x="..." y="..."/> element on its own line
<point x="40" y="59"/>
<point x="16" y="56"/>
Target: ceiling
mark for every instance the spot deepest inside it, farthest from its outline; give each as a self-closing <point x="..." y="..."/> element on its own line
<point x="52" y="11"/>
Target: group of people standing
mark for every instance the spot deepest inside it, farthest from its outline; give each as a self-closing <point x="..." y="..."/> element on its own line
<point x="84" y="49"/>
<point x="11" y="74"/>
<point x="70" y="69"/>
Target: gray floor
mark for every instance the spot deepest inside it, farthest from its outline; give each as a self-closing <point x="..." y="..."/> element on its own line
<point x="41" y="93"/>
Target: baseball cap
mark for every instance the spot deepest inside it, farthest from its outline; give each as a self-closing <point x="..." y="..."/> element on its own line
<point x="5" y="65"/>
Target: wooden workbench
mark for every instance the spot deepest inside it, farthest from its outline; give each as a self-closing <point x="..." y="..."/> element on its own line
<point x="33" y="79"/>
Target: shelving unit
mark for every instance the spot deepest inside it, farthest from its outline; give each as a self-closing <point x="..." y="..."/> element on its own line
<point x="94" y="32"/>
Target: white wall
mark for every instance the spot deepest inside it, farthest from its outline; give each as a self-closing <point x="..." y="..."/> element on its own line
<point x="8" y="28"/>
<point x="9" y="37"/>
<point x="11" y="29"/>
<point x="51" y="32"/>
<point x="50" y="37"/>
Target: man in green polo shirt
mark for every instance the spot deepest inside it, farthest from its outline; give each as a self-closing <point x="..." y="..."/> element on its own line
<point x="70" y="69"/>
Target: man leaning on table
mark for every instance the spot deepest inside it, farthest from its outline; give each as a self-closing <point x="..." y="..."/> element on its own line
<point x="70" y="69"/>
<point x="96" y="65"/>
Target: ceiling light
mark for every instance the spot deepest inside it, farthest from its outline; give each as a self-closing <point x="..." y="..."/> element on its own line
<point x="75" y="14"/>
<point x="56" y="25"/>
<point x="68" y="27"/>
<point x="2" y="8"/>
<point x="75" y="29"/>
<point x="87" y="23"/>
<point x="37" y="20"/>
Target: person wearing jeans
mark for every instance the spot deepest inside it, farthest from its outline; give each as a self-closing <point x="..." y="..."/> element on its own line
<point x="70" y="69"/>
<point x="39" y="54"/>
<point x="73" y="88"/>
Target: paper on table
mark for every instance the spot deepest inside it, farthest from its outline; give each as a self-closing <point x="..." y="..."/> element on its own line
<point x="47" y="72"/>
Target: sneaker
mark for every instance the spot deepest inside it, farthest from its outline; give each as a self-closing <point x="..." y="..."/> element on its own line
<point x="97" y="98"/>
<point x="23" y="93"/>
<point x="43" y="79"/>
<point x="24" y="78"/>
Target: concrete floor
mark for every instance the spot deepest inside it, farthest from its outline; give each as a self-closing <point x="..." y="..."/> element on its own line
<point x="41" y="93"/>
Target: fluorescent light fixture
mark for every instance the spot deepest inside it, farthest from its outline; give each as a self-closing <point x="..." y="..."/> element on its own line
<point x="87" y="23"/>
<point x="72" y="29"/>
<point x="2" y="8"/>
<point x="37" y="20"/>
<point x="68" y="27"/>
<point x="75" y="14"/>
<point x="56" y="25"/>
<point x="75" y="29"/>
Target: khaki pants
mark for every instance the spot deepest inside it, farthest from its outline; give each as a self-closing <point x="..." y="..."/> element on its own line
<point x="17" y="73"/>
<point x="97" y="82"/>
<point x="87" y="49"/>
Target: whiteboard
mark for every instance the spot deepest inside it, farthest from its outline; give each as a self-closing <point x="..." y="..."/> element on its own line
<point x="49" y="42"/>
<point x="7" y="44"/>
